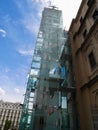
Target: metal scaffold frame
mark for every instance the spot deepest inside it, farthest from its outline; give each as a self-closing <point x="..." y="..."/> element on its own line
<point x="42" y="106"/>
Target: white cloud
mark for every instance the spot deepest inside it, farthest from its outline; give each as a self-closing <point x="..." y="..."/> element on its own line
<point x="69" y="9"/>
<point x="12" y="95"/>
<point x="17" y="90"/>
<point x="31" y="23"/>
<point x="3" y="32"/>
<point x="2" y="92"/>
<point x="7" y="70"/>
<point x="25" y="52"/>
<point x="25" y="49"/>
<point x="31" y="19"/>
<point x="7" y="81"/>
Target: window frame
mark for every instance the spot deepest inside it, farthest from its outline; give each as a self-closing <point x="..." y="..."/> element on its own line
<point x="95" y="16"/>
<point x="84" y="33"/>
<point x="91" y="59"/>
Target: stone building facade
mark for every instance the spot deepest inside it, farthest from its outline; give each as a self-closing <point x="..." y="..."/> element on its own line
<point x="10" y="112"/>
<point x="84" y="42"/>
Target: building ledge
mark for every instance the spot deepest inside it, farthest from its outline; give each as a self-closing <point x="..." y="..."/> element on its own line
<point x="91" y="82"/>
<point x="63" y="89"/>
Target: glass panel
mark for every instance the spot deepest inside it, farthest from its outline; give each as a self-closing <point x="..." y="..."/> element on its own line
<point x="64" y="105"/>
<point x="30" y="105"/>
<point x="31" y="94"/>
<point x="34" y="72"/>
<point x="40" y="40"/>
<point x="35" y="65"/>
<point x="29" y="119"/>
<point x="37" y="58"/>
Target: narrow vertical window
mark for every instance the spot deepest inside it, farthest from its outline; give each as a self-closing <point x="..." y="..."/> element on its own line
<point x="81" y="20"/>
<point x="88" y="2"/>
<point x="92" y="60"/>
<point x="95" y="15"/>
<point x="85" y="33"/>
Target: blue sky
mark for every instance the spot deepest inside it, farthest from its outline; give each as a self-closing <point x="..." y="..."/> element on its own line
<point x="19" y="23"/>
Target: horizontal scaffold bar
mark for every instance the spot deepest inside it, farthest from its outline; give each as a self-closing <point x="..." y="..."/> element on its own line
<point x="64" y="89"/>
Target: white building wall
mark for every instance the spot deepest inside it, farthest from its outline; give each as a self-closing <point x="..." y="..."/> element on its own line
<point x="12" y="112"/>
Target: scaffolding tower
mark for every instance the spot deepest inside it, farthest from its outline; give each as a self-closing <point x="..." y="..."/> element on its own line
<point x="44" y="107"/>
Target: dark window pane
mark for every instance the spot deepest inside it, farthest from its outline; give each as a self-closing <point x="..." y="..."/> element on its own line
<point x="92" y="60"/>
<point x="81" y="20"/>
<point x="85" y="33"/>
<point x="95" y="14"/>
<point x="89" y="1"/>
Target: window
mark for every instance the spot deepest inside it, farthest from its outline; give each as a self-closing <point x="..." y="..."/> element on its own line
<point x="85" y="33"/>
<point x="81" y="20"/>
<point x="88" y="2"/>
<point x="95" y="15"/>
<point x="92" y="60"/>
<point x="41" y="121"/>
